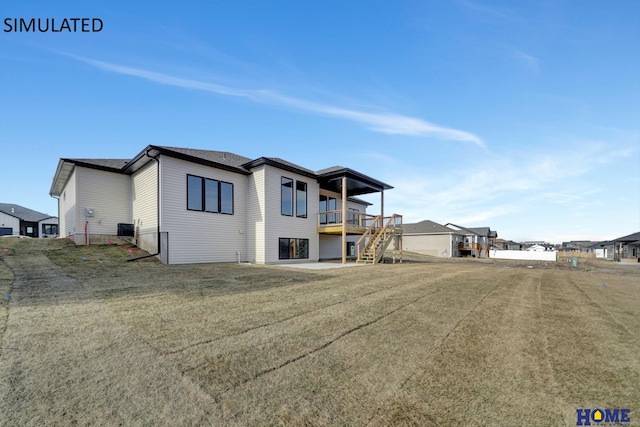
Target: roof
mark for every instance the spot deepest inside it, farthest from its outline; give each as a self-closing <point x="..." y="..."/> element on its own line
<point x="282" y="164"/>
<point x="359" y="201"/>
<point x="427" y="227"/>
<point x="22" y="213"/>
<point x="218" y="157"/>
<point x="462" y="230"/>
<point x="482" y="231"/>
<point x="110" y="164"/>
<point x="357" y="184"/>
<point x="630" y="238"/>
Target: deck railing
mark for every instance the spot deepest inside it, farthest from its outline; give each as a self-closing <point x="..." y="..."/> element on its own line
<point x="378" y="237"/>
<point x="354" y="219"/>
<point x="469" y="246"/>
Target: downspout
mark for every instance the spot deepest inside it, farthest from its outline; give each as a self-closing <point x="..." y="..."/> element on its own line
<point x="157" y="202"/>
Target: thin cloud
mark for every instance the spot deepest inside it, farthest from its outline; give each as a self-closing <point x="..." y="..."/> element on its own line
<point x="388" y="123"/>
<point x="498" y="187"/>
<point x="529" y="61"/>
<point x="485" y="10"/>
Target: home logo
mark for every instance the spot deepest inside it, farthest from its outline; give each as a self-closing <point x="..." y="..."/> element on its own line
<point x="602" y="417"/>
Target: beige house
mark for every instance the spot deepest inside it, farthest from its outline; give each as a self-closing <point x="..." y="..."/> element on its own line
<point x="447" y="241"/>
<point x="430" y="238"/>
<point x="197" y="206"/>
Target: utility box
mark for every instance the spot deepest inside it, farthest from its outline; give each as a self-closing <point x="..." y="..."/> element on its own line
<point x="125" y="230"/>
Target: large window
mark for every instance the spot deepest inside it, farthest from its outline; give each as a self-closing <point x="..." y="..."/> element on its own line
<point x="301" y="199"/>
<point x="209" y="195"/>
<point x="352" y="217"/>
<point x="226" y="198"/>
<point x="286" y="196"/>
<point x="293" y="248"/>
<point x="49" y="229"/>
<point x="327" y="204"/>
<point x="194" y="193"/>
<point x="287" y="200"/>
<point x="323" y="208"/>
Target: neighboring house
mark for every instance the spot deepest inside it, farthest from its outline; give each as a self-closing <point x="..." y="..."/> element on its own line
<point x="536" y="248"/>
<point x="537" y="244"/>
<point x="627" y="248"/>
<point x="602" y="250"/>
<point x="577" y="245"/>
<point x="199" y="206"/>
<point x="447" y="241"/>
<point x="507" y="245"/>
<point x="430" y="238"/>
<point x="476" y="240"/>
<point x="16" y="220"/>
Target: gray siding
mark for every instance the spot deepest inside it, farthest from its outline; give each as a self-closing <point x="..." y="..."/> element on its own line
<point x="144" y="196"/>
<point x="201" y="237"/>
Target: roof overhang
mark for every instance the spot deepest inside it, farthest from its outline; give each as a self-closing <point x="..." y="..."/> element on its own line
<point x="357" y="183"/>
<point x="63" y="172"/>
<point x="280" y="165"/>
<point x="65" y="169"/>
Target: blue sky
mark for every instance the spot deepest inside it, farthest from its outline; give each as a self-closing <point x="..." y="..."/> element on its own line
<point x="519" y="115"/>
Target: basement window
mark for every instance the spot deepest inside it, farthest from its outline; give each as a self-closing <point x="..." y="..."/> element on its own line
<point x="293" y="248"/>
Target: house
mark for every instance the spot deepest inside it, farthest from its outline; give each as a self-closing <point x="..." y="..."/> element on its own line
<point x="577" y="245"/>
<point x="603" y="250"/>
<point x="507" y="245"/>
<point x="16" y="220"/>
<point x="627" y="248"/>
<point x="476" y="241"/>
<point x="199" y="206"/>
<point x="430" y="238"/>
<point x="446" y="241"/>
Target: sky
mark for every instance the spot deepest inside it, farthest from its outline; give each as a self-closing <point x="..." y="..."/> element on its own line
<point x="523" y="116"/>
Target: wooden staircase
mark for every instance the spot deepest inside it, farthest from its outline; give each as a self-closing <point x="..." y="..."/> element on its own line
<point x="378" y="237"/>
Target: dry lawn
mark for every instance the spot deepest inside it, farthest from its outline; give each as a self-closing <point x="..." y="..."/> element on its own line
<point x="101" y="341"/>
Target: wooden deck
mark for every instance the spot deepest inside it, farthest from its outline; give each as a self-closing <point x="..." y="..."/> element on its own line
<point x="336" y="229"/>
<point x="330" y="222"/>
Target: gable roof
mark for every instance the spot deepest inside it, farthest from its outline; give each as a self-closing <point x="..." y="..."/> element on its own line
<point x="427" y="227"/>
<point x="22" y="213"/>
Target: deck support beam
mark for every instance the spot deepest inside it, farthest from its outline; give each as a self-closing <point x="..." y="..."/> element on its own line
<point x="344" y="219"/>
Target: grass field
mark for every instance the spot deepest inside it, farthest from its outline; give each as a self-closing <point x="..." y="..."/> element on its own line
<point x="89" y="339"/>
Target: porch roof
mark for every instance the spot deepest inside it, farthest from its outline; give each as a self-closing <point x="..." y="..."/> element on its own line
<point x="357" y="183"/>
